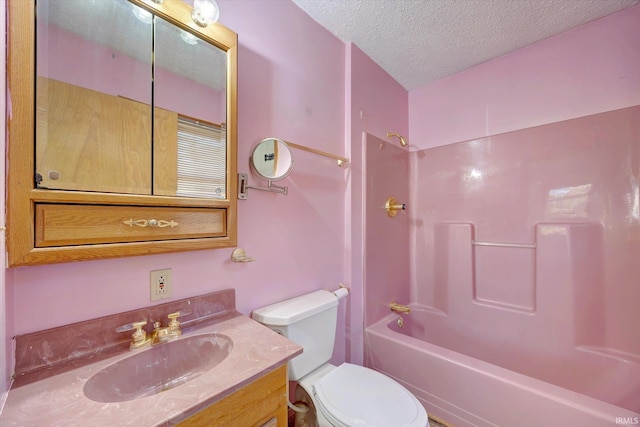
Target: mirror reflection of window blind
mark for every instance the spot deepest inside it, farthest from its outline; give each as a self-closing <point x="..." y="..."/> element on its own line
<point x="202" y="159"/>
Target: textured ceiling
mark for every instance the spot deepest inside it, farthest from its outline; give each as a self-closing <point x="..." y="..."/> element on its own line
<point x="419" y="41"/>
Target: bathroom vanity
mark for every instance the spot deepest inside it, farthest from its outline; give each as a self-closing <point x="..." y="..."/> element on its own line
<point x="224" y="370"/>
<point x="261" y="403"/>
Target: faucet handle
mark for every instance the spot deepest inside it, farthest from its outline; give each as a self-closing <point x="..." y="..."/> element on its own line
<point x="173" y="317"/>
<point x="129" y="326"/>
<point x="174" y="324"/>
<point x="177" y="314"/>
<point x="139" y="337"/>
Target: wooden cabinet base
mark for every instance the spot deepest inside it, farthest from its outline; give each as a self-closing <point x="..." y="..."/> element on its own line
<point x="255" y="405"/>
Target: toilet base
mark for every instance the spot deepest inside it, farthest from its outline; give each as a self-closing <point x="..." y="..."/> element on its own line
<point x="308" y="418"/>
<point x="304" y="393"/>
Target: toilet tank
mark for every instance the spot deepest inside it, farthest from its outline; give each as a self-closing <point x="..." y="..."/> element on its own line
<point x="308" y="320"/>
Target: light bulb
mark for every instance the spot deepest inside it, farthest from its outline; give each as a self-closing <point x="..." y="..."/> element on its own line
<point x="205" y="12"/>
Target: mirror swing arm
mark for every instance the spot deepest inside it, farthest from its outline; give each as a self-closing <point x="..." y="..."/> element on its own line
<point x="270" y="160"/>
<point x="243" y="187"/>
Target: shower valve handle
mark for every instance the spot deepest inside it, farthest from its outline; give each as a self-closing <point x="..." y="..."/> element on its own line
<point x="393" y="207"/>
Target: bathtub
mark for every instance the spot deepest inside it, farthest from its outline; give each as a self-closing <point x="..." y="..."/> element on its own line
<point x="464" y="390"/>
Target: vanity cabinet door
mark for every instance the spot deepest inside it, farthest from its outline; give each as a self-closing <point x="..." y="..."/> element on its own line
<point x="255" y="405"/>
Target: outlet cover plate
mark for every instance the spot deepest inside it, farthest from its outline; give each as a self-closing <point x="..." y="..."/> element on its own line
<point x="161" y="284"/>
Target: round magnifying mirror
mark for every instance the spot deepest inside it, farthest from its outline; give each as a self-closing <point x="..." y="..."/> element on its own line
<point x="271" y="159"/>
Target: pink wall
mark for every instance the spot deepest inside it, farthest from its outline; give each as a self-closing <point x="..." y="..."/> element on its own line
<point x="119" y="75"/>
<point x="588" y="70"/>
<point x="290" y="86"/>
<point x="375" y="104"/>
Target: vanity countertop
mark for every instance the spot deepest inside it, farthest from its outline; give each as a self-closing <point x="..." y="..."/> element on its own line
<point x="59" y="399"/>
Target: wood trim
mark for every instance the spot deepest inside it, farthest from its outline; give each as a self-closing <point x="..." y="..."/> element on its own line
<point x="232" y="140"/>
<point x="62" y="254"/>
<point x="38" y="195"/>
<point x="251" y="406"/>
<point x="20" y="124"/>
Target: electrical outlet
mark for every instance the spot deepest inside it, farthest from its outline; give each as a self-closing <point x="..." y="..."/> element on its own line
<point x="161" y="284"/>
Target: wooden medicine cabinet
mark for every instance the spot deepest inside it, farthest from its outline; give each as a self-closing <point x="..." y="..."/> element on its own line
<point x="122" y="131"/>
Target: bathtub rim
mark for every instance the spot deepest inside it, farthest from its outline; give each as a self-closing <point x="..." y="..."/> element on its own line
<point x="598" y="409"/>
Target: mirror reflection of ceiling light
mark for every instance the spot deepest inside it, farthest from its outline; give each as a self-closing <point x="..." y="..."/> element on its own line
<point x="205" y="12"/>
<point x="188" y="37"/>
<point x="475" y="174"/>
<point x="472" y="175"/>
<point x="142" y="14"/>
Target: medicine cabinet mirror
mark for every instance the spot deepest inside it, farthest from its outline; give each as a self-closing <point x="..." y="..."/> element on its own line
<point x="122" y="138"/>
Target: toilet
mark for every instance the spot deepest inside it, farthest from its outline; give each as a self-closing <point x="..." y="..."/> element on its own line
<point x="339" y="396"/>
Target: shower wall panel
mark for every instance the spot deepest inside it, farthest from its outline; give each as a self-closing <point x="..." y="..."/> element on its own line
<point x="559" y="207"/>
<point x="387" y="252"/>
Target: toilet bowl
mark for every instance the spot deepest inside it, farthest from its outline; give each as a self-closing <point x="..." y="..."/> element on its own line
<point x="347" y="395"/>
<point x="354" y="396"/>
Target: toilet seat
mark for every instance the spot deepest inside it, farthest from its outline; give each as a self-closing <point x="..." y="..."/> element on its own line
<point x="355" y="396"/>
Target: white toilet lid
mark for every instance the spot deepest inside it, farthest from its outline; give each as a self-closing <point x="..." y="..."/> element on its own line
<point x="360" y="397"/>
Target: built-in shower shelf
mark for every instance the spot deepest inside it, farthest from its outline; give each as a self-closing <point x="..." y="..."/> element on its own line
<point x="542" y="275"/>
<point x="612" y="353"/>
<point x="504" y="244"/>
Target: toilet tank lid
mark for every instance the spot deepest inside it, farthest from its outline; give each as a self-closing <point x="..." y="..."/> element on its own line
<point x="295" y="309"/>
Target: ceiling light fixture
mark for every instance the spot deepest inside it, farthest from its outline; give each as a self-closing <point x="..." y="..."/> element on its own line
<point x="205" y="12"/>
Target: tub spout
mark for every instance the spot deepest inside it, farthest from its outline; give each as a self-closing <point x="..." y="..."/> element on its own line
<point x="399" y="308"/>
